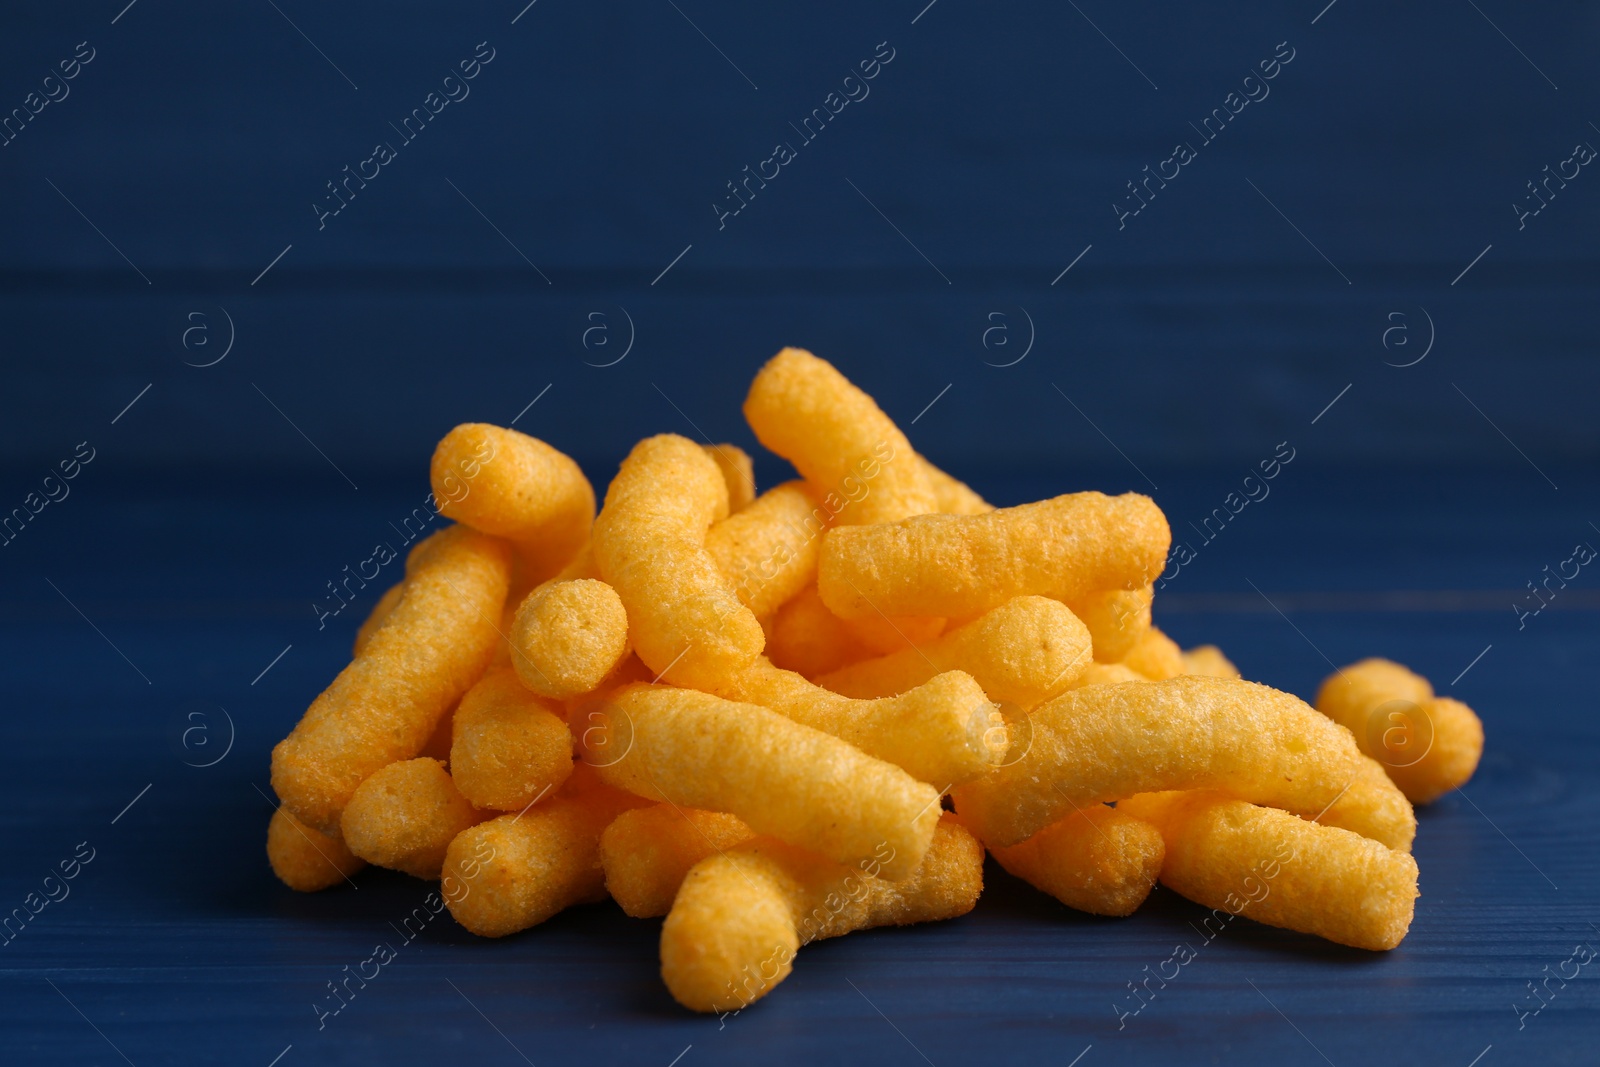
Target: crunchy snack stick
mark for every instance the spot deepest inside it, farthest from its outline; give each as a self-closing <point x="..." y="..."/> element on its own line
<point x="839" y="440"/>
<point x="517" y="487"/>
<point x="1209" y="661"/>
<point x="807" y="638"/>
<point x="959" y="566"/>
<point x="740" y="917"/>
<point x="516" y="871"/>
<point x="647" y="852"/>
<point x="509" y="747"/>
<point x="1429" y="745"/>
<point x="1098" y="859"/>
<point x="942" y="732"/>
<point x="768" y="550"/>
<point x="305" y="859"/>
<point x="1272" y="867"/>
<point x="568" y="636"/>
<point x="1105" y="742"/>
<point x="378" y="616"/>
<point x="1374" y="807"/>
<point x="649" y="542"/>
<point x="781" y="778"/>
<point x="382" y="707"/>
<point x="738" y="473"/>
<point x="405" y="816"/>
<point x="1116" y="619"/>
<point x="1025" y="651"/>
<point x="1156" y="656"/>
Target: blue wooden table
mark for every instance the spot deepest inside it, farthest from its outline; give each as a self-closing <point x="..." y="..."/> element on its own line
<point x="160" y="640"/>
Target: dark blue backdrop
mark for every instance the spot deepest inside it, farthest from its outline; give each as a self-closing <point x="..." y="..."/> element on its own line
<point x="1364" y="230"/>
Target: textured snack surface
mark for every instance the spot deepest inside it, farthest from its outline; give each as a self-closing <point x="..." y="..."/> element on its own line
<point x="1107" y="742"/>
<point x="781" y="778"/>
<point x="382" y="708"/>
<point x="649" y="543"/>
<point x="1283" y="871"/>
<point x="839" y="440"/>
<point x="959" y="566"/>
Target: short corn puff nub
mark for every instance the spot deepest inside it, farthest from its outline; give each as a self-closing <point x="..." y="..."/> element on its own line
<point x="568" y="636"/>
<point x="647" y="852"/>
<point x="509" y="747"/>
<point x="1097" y="860"/>
<point x="405" y="816"/>
<point x="305" y="859"/>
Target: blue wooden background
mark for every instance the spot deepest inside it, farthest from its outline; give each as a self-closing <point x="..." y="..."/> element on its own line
<point x="1352" y="266"/>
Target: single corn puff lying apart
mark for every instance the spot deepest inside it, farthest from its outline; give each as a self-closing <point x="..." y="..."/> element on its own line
<point x="741" y="915"/>
<point x="1429" y="745"/>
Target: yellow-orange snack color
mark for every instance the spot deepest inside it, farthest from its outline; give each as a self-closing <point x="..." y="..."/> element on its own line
<point x="943" y="731"/>
<point x="516" y="871"/>
<point x="1097" y="860"/>
<point x="568" y="636"/>
<point x="509" y="747"/>
<point x="647" y="852"/>
<point x="305" y="859"/>
<point x="767" y="551"/>
<point x="649" y="542"/>
<point x="805" y="637"/>
<point x="1209" y="661"/>
<point x="1107" y="674"/>
<point x="1374" y="807"/>
<point x="405" y="816"/>
<point x="378" y="616"/>
<point x="1026" y="650"/>
<point x="883" y="635"/>
<point x="382" y="707"/>
<point x="952" y="495"/>
<point x="1116" y="619"/>
<point x="1156" y="656"/>
<point x="959" y="566"/>
<point x="740" y="916"/>
<point x="839" y="440"/>
<point x="517" y="487"/>
<point x="1267" y="865"/>
<point x="1106" y="742"/>
<point x="438" y="744"/>
<point x="1429" y="745"/>
<point x="738" y="473"/>
<point x="791" y="781"/>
